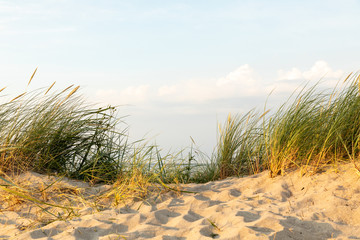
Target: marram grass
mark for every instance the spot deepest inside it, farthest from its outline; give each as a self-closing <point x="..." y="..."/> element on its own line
<point x="56" y="133"/>
<point x="315" y="129"/>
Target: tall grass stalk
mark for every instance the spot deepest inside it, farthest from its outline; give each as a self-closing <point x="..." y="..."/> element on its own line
<point x="238" y="147"/>
<point x="314" y="129"/>
<point x="57" y="133"/>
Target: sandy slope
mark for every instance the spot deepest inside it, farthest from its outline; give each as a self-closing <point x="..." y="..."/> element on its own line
<point x="323" y="206"/>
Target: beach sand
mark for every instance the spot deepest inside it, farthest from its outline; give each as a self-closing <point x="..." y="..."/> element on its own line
<point x="325" y="205"/>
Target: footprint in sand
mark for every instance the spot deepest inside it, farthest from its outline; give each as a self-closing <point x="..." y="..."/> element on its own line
<point x="173" y="238"/>
<point x="207" y="232"/>
<point x="295" y="228"/>
<point x="202" y="198"/>
<point x="248" y="216"/>
<point x="176" y="203"/>
<point x="235" y="193"/>
<point x="207" y="201"/>
<point x="286" y="193"/>
<point x="192" y="216"/>
<point x="162" y="216"/>
<point x="263" y="230"/>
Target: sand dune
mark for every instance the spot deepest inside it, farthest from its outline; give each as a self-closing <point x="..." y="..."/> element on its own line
<point x="322" y="206"/>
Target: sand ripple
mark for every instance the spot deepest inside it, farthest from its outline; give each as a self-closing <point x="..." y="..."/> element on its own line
<point x="322" y="206"/>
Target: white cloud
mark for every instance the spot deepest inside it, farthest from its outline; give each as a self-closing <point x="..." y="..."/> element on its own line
<point x="241" y="82"/>
<point x="319" y="70"/>
<point x="191" y="90"/>
<point x="242" y="75"/>
<point x="293" y="74"/>
<point x="139" y="92"/>
<point x="288" y="81"/>
<point x="167" y="90"/>
<point x="130" y="95"/>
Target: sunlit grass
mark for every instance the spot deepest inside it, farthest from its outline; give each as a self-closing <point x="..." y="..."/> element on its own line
<point x="314" y="129"/>
<point x="57" y="133"/>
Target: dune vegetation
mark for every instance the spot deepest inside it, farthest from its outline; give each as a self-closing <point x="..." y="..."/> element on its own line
<point x="314" y="129"/>
<point x="58" y="133"/>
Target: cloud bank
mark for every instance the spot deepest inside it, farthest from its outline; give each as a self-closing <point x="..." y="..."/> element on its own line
<point x="288" y="80"/>
<point x="319" y="70"/>
<point x="242" y="82"/>
<point x="129" y="95"/>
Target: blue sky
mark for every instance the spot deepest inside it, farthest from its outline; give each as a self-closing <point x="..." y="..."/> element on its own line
<point x="181" y="66"/>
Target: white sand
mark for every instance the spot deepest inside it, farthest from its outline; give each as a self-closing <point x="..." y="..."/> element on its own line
<point x="323" y="206"/>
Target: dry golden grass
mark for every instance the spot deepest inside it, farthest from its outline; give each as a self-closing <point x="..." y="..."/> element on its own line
<point x="57" y="135"/>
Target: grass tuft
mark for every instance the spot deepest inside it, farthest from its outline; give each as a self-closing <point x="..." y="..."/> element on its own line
<point x="314" y="129"/>
<point x="56" y="133"/>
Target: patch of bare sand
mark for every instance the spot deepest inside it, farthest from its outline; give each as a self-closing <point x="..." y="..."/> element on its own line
<point x="322" y="206"/>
